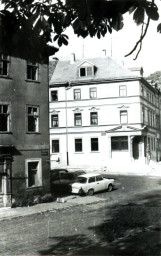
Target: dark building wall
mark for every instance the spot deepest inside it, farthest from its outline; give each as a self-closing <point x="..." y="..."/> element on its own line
<point x="20" y="92"/>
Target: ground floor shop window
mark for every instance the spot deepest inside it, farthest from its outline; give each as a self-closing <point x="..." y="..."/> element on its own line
<point x="33" y="172"/>
<point x="119" y="143"/>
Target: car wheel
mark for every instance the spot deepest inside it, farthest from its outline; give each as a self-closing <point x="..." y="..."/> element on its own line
<point x="90" y="192"/>
<point x="109" y="189"/>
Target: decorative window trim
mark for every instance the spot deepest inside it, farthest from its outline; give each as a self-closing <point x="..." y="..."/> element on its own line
<point x="39" y="160"/>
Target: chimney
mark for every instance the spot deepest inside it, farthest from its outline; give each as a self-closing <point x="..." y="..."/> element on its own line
<point x="137" y="71"/>
<point x="72" y="58"/>
<point x="104" y="53"/>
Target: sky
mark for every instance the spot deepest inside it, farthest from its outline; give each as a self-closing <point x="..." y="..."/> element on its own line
<point x="119" y="44"/>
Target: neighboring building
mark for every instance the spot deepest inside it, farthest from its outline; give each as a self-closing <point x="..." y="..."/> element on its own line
<point x="24" y="121"/>
<point x="102" y="113"/>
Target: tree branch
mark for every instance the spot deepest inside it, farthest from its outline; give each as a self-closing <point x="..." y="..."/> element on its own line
<point x="143" y="34"/>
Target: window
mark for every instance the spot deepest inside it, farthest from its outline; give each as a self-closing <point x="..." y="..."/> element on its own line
<point x="143" y="115"/>
<point x="32" y="119"/>
<point x="77" y="94"/>
<point x="77" y="119"/>
<point x="123" y="116"/>
<point x="91" y="179"/>
<point x="4" y="64"/>
<point x="94" y="144"/>
<point x="4" y="118"/>
<point x="93" y="93"/>
<point x="78" y="145"/>
<point x="123" y="90"/>
<point x="32" y="70"/>
<point x="119" y="143"/>
<point x="34" y="172"/>
<point x="94" y="118"/>
<point x="99" y="178"/>
<point x="54" y="95"/>
<point x="54" y="121"/>
<point x="55" y="146"/>
<point x="85" y="71"/>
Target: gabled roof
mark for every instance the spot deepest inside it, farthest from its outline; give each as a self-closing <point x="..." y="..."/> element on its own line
<point x="106" y="68"/>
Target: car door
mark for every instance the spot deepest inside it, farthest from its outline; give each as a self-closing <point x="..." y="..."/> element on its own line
<point x="92" y="183"/>
<point x="101" y="185"/>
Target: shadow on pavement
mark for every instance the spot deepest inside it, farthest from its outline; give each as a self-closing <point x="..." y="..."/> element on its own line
<point x="130" y="228"/>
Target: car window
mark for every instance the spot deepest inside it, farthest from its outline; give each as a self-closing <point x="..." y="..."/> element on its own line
<point x="99" y="177"/>
<point x="81" y="180"/>
<point x="91" y="179"/>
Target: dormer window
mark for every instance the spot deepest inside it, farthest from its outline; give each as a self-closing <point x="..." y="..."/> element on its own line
<point x="86" y="69"/>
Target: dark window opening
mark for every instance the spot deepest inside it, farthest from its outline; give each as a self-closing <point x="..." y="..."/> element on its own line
<point x="119" y="143"/>
<point x="32" y="71"/>
<point x="4" y="64"/>
<point x="94" y="144"/>
<point x="54" y="95"/>
<point x="32" y="119"/>
<point x="32" y="173"/>
<point x="78" y="145"/>
<point x="4" y="118"/>
<point x="82" y="72"/>
<point x="55" y="146"/>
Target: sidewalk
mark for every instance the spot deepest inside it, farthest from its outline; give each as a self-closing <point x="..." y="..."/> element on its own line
<point x="8" y="213"/>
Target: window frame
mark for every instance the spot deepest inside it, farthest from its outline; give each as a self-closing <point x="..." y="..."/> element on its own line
<point x="39" y="172"/>
<point x="7" y="62"/>
<point x="37" y="130"/>
<point x="121" y="112"/>
<point x="51" y="98"/>
<point x="32" y="65"/>
<point x="120" y="140"/>
<point x="90" y="91"/>
<point x="77" y="92"/>
<point x="75" y="119"/>
<point x="80" y="151"/>
<point x="122" y="92"/>
<point x="91" y="118"/>
<point x="86" y="71"/>
<point x="95" y="138"/>
<point x="8" y="116"/>
<point x="57" y="120"/>
<point x="55" y="152"/>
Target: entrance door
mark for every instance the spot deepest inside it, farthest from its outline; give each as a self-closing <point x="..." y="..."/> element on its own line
<point x="5" y="170"/>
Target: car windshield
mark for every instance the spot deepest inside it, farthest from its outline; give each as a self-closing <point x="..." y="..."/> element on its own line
<point x="81" y="180"/>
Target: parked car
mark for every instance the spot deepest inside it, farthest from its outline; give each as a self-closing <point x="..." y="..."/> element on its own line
<point x="61" y="180"/>
<point x="90" y="183"/>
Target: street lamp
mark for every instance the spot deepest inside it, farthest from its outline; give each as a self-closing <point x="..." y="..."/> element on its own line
<point x="66" y="113"/>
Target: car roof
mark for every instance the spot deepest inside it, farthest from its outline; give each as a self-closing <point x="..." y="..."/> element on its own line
<point x="88" y="175"/>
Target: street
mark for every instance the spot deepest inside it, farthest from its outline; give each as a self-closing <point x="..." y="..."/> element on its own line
<point x="126" y="223"/>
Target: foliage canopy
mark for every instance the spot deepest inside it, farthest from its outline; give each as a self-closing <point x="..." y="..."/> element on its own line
<point x="46" y="20"/>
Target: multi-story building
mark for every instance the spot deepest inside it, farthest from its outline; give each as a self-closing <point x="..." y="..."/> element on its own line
<point x="102" y="113"/>
<point x="24" y="118"/>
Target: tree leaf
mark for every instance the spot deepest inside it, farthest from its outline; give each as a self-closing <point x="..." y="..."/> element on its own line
<point x="152" y="12"/>
<point x="159" y="28"/>
<point x="117" y="22"/>
<point x="139" y="15"/>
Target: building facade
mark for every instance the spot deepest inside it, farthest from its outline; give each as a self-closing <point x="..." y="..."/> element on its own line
<point x="101" y="114"/>
<point x="24" y="135"/>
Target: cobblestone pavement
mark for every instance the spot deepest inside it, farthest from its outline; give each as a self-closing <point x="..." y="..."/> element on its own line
<point x="128" y="227"/>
